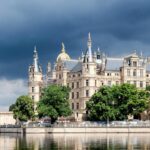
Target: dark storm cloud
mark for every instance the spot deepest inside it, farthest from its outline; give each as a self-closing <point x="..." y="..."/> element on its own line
<point x="116" y="26"/>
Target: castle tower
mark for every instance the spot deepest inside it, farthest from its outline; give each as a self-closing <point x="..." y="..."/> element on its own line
<point x="88" y="78"/>
<point x="89" y="65"/>
<point x="35" y="80"/>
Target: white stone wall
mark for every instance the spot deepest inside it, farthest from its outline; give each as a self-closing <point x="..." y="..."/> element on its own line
<point x="7" y="118"/>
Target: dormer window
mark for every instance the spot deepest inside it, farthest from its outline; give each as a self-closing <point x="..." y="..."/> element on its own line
<point x="134" y="64"/>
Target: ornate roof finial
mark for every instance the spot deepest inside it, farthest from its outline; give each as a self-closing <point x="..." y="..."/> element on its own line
<point x="63" y="48"/>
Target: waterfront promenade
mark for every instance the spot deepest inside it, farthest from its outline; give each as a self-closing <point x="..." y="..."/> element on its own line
<point x="51" y="130"/>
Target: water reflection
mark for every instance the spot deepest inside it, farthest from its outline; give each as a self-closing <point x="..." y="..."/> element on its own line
<point x="75" y="141"/>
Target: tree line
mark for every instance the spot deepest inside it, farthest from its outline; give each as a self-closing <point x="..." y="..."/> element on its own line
<point x="115" y="103"/>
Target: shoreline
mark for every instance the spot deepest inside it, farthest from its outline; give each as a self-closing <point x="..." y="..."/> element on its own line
<point x="36" y="130"/>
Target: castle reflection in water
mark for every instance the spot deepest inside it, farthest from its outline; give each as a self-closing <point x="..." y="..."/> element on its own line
<point x="74" y="141"/>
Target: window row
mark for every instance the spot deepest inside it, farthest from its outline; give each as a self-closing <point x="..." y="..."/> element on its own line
<point x="75" y="95"/>
<point x="110" y="83"/>
<point x="74" y="75"/>
<point x="110" y="74"/>
<point x="87" y="83"/>
<point x="135" y="83"/>
<point x="134" y="72"/>
<point x="75" y="107"/>
<point x="73" y="85"/>
<point x="33" y="89"/>
<point x="59" y="76"/>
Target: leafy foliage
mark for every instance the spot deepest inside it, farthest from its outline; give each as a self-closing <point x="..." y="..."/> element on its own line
<point x="23" y="108"/>
<point x="11" y="107"/>
<point x="54" y="102"/>
<point x="117" y="102"/>
<point x="148" y="88"/>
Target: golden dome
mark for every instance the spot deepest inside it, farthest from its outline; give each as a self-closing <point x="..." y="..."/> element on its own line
<point x="63" y="55"/>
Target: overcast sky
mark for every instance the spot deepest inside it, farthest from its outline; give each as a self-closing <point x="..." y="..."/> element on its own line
<point x="117" y="27"/>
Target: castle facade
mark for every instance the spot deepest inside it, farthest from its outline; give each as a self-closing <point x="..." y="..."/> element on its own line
<point x="87" y="74"/>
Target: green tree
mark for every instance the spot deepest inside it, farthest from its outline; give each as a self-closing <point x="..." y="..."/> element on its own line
<point x="148" y="88"/>
<point x="11" y="107"/>
<point x="101" y="105"/>
<point x="54" y="102"/>
<point x="23" y="108"/>
<point x="117" y="102"/>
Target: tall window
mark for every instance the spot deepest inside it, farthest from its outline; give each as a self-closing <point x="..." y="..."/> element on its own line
<point x="67" y="84"/>
<point x="134" y="72"/>
<point x="141" y="72"/>
<point x="95" y="83"/>
<point x="32" y="97"/>
<point x="77" y="105"/>
<point x="87" y="66"/>
<point x="128" y="72"/>
<point x="32" y="89"/>
<point x="77" y="95"/>
<point x="87" y="82"/>
<point x="87" y="93"/>
<point x="72" y="105"/>
<point x="141" y="84"/>
<point x="77" y="84"/>
<point x="72" y="85"/>
<point x="134" y="64"/>
<point x="59" y="76"/>
<point x="72" y="95"/>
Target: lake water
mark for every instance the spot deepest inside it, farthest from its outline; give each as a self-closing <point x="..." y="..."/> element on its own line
<point x="75" y="142"/>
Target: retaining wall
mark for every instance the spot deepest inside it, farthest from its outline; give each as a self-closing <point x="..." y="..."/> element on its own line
<point x="76" y="130"/>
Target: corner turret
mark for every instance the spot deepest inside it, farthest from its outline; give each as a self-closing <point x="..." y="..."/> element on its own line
<point x="35" y="79"/>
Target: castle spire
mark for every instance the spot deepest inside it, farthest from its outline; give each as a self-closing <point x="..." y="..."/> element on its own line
<point x="89" y="45"/>
<point x="63" y="48"/>
<point x="35" y="60"/>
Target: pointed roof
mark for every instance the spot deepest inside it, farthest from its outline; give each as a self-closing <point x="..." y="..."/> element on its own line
<point x="89" y="45"/>
<point x="35" y="60"/>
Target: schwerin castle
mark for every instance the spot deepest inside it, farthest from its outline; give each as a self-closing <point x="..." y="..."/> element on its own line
<point x="87" y="74"/>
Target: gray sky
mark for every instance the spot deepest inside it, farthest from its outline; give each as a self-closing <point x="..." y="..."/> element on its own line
<point x="117" y="27"/>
